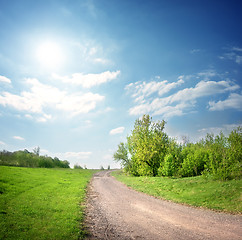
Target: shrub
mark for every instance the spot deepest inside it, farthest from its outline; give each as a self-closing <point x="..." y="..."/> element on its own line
<point x="168" y="167"/>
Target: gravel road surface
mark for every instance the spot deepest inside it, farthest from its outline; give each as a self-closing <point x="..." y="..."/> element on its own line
<point x="115" y="211"/>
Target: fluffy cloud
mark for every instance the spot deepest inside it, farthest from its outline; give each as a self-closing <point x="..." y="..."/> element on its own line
<point x="78" y="104"/>
<point x="233" y="101"/>
<point x="142" y="90"/>
<point x="42" y="96"/>
<point x="234" y="54"/>
<point x="184" y="100"/>
<point x="204" y="88"/>
<point x="18" y="138"/>
<point x="88" y="80"/>
<point x="4" y="79"/>
<point x="118" y="130"/>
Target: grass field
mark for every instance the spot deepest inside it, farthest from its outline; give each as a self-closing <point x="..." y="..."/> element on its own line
<point x="197" y="191"/>
<point x="43" y="203"/>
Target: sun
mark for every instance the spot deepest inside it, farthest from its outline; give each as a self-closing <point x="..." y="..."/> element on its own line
<point x="49" y="54"/>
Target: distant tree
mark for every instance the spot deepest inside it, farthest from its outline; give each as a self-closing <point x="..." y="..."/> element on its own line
<point x="36" y="150"/>
<point x="101" y="167"/>
<point x="121" y="155"/>
<point x="77" y="166"/>
<point x="28" y="159"/>
<point x="185" y="140"/>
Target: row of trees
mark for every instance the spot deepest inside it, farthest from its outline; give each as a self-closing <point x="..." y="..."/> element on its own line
<point x="150" y="152"/>
<point x="29" y="159"/>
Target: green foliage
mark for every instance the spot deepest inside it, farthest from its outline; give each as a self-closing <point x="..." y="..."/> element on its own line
<point x="147" y="146"/>
<point x="40" y="203"/>
<point x="168" y="167"/>
<point x="28" y="159"/>
<point x="195" y="158"/>
<point x="225" y="155"/>
<point x="121" y="155"/>
<point x="150" y="152"/>
<point x="77" y="166"/>
<point x="173" y="159"/>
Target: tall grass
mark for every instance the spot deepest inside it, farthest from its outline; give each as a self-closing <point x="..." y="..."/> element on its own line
<point x="42" y="203"/>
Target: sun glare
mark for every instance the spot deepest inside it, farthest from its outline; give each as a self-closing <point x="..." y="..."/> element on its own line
<point x="49" y="54"/>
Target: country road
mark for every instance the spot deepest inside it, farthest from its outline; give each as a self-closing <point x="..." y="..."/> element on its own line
<point x="115" y="211"/>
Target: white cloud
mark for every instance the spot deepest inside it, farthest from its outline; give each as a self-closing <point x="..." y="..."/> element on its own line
<point x="42" y="96"/>
<point x="196" y="50"/>
<point x="2" y="143"/>
<point x="118" y="130"/>
<point x="78" y="104"/>
<point x="204" y="88"/>
<point x="233" y="54"/>
<point x="4" y="79"/>
<point x="88" y="80"/>
<point x="237" y="49"/>
<point x="142" y="90"/>
<point x="44" y="118"/>
<point x="238" y="59"/>
<point x="233" y="101"/>
<point x="92" y="52"/>
<point x="178" y="103"/>
<point x="225" y="128"/>
<point x="18" y="138"/>
<point x="101" y="60"/>
<point x="207" y="74"/>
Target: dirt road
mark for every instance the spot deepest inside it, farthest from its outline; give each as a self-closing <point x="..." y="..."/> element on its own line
<point x="116" y="212"/>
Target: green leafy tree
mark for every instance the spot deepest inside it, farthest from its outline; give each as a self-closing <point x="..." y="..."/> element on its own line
<point x="36" y="151"/>
<point x="195" y="158"/>
<point x="77" y="166"/>
<point x="174" y="151"/>
<point x="101" y="167"/>
<point x="146" y="147"/>
<point x="121" y="155"/>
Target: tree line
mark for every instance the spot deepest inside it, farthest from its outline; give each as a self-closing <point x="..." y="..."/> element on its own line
<point x="30" y="159"/>
<point x="149" y="151"/>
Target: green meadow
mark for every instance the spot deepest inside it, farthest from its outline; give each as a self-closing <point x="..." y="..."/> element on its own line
<point x="197" y="191"/>
<point x="40" y="203"/>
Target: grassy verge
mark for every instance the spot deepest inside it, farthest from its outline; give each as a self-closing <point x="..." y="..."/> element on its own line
<point x="196" y="191"/>
<point x="42" y="203"/>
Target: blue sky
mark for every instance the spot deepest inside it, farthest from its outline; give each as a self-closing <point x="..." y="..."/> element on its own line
<point x="74" y="75"/>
